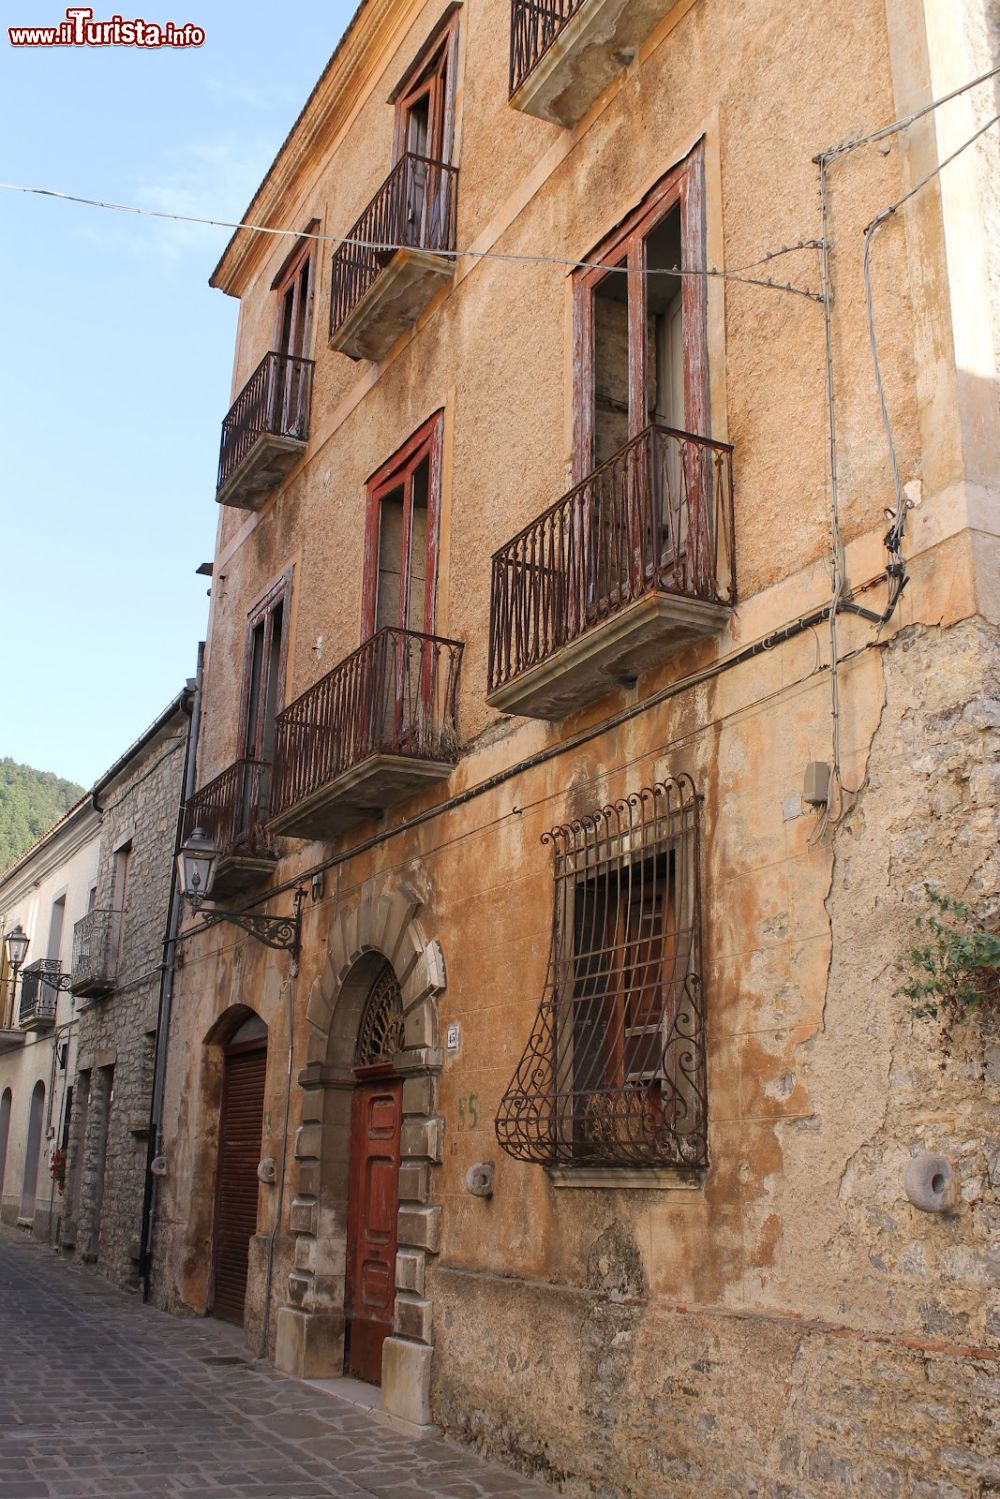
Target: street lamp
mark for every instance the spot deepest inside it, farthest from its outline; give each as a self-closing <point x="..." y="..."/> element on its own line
<point x="17" y="941"/>
<point x="17" y="947"/>
<point x="196" y="863"/>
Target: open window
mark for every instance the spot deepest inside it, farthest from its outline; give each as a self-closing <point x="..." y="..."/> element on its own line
<point x="614" y="1071"/>
<point x="424" y="98"/>
<point x="262" y="699"/>
<point x="640" y="328"/>
<point x="401" y="545"/>
<point x="424" y="134"/>
<point x="400" y="584"/>
<point x="293" y="287"/>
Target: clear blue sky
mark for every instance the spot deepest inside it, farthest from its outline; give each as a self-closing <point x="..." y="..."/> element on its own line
<point x="116" y="356"/>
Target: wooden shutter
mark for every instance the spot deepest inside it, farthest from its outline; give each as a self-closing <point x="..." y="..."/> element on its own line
<point x="236" y="1186"/>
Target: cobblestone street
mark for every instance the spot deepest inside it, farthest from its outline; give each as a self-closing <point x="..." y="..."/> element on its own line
<point x="102" y="1396"/>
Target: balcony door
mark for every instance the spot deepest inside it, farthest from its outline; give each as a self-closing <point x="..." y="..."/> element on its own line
<point x="293" y="287"/>
<point x="263" y="696"/>
<point x="400" y="583"/>
<point x="641" y="337"/>
<point x="424" y="133"/>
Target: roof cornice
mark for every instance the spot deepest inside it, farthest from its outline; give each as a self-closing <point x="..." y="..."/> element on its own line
<point x="344" y="81"/>
<point x="80" y="825"/>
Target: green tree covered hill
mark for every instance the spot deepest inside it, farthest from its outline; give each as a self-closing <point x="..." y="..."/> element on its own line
<point x="30" y="802"/>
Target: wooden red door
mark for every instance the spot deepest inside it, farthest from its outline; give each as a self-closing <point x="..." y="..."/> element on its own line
<point x="371" y="1225"/>
<point x="236" y="1183"/>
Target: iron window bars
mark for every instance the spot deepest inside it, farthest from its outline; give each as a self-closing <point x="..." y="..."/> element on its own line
<point x="614" y="1071"/>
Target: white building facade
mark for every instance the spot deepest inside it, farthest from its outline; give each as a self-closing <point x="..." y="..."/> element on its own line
<point x="45" y="892"/>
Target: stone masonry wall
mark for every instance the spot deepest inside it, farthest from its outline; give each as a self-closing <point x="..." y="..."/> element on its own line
<point x="117" y="1034"/>
<point x="867" y="1361"/>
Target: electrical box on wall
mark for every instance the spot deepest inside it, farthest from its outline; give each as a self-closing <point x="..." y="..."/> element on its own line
<point x="816" y="783"/>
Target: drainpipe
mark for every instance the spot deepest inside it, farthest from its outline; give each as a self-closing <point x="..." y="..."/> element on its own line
<point x="62" y="1035"/>
<point x="279" y="1207"/>
<point x="193" y="708"/>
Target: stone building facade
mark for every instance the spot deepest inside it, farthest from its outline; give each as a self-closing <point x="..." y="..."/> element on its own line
<point x="589" y="1120"/>
<point x="118" y="970"/>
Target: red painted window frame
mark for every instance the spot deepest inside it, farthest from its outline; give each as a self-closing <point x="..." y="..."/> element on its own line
<point x="425" y="442"/>
<point x="433" y="70"/>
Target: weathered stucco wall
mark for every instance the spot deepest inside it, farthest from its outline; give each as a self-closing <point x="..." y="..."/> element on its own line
<point x="791" y="1324"/>
<point x="777" y="1332"/>
<point x="527" y="187"/>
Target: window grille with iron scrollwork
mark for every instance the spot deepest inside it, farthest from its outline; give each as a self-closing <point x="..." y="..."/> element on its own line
<point x="380" y="1034"/>
<point x="614" y="1071"/>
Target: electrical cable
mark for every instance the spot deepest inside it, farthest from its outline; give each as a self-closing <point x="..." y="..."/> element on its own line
<point x="896" y="575"/>
<point x="895" y="532"/>
<point x="882" y="134"/>
<point x="379" y="248"/>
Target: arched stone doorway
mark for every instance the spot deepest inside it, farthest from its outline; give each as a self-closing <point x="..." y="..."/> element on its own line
<point x="381" y="931"/>
<point x="32" y="1151"/>
<point x="373" y="1186"/>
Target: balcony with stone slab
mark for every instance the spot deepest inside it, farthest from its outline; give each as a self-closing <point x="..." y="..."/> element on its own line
<point x="630" y="565"/>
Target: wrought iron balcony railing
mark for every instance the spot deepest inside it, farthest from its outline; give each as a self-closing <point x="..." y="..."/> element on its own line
<point x="273" y="403"/>
<point x="534" y="26"/>
<point x="38" y="999"/>
<point x="393" y="700"/>
<point x="95" y="953"/>
<point x="415" y="208"/>
<point x="657" y="517"/>
<point x="232" y="810"/>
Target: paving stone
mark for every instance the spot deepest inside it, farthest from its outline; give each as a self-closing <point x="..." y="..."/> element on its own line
<point x="103" y="1398"/>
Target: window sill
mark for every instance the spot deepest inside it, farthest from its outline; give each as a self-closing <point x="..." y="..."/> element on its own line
<point x="649" y="1179"/>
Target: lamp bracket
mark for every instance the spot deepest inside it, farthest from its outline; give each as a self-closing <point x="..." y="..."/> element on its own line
<point x="281" y="932"/>
<point x="61" y="981"/>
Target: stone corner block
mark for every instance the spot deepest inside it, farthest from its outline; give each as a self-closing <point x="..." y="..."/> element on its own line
<point x="420" y="1026"/>
<point x="434" y="966"/>
<point x="309" y="1345"/>
<point x="410" y="1267"/>
<point x="413" y="1318"/>
<point x="419" y="1094"/>
<point x="420" y="1139"/>
<point x="308" y="1142"/>
<point x="419" y="1228"/>
<point x="303" y="1216"/>
<point x="406" y="1381"/>
<point x="415" y="1181"/>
